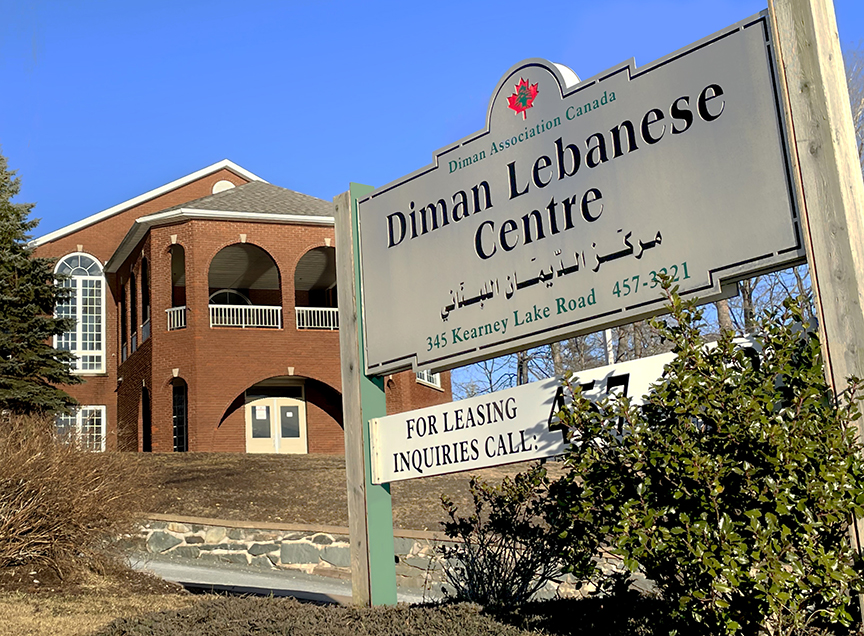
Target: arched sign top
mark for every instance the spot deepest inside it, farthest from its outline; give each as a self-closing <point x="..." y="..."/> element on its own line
<point x="518" y="89"/>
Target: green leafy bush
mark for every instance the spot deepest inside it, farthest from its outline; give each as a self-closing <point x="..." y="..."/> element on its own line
<point x="513" y="542"/>
<point x="734" y="485"/>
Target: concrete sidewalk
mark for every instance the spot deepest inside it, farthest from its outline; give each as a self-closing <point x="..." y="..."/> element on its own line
<point x="239" y="579"/>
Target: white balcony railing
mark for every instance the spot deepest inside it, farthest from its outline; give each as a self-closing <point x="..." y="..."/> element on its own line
<point x="176" y="318"/>
<point x="134" y="341"/>
<point x="258" y="316"/>
<point x="145" y="330"/>
<point x="317" y="317"/>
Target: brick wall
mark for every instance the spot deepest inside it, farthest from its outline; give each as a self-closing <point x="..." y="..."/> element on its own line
<point x="405" y="393"/>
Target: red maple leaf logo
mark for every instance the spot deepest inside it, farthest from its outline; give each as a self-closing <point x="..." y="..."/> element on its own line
<point x="523" y="98"/>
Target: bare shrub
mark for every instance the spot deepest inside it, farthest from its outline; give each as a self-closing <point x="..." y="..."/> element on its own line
<point x="57" y="501"/>
<point x="516" y="541"/>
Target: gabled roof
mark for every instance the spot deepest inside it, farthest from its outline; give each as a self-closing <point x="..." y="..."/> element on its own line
<point x="259" y="196"/>
<point x="121" y="207"/>
<point x="256" y="201"/>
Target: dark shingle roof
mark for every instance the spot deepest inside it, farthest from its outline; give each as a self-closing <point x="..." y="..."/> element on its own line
<point x="258" y="196"/>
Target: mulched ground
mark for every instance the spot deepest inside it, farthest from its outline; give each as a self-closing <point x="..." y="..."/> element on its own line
<point x="308" y="489"/>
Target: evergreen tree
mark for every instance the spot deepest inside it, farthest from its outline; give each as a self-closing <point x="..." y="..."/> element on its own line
<point x="30" y="367"/>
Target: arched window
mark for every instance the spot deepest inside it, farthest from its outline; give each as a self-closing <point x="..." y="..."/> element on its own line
<point x="86" y="305"/>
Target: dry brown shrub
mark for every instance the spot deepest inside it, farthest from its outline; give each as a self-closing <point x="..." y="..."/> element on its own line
<point x="57" y="501"/>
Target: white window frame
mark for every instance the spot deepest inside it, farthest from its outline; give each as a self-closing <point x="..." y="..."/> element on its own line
<point x="77" y="420"/>
<point x="78" y="352"/>
<point x="429" y="379"/>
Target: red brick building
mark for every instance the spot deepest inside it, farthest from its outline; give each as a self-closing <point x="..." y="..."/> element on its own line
<point x="207" y="321"/>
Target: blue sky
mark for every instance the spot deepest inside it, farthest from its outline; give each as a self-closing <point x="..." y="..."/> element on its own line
<point x="105" y="100"/>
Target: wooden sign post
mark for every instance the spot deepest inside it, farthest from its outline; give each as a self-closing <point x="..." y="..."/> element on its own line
<point x="370" y="512"/>
<point x="832" y="201"/>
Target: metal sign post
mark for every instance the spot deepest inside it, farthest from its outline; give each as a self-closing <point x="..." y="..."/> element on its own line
<point x="370" y="512"/>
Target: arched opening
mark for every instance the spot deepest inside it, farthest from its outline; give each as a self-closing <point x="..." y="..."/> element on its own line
<point x="177" y="312"/>
<point x="145" y="300"/>
<point x="85" y="304"/>
<point x="287" y="414"/>
<point x="133" y="313"/>
<point x="146" y="422"/>
<point x="315" y="299"/>
<point x="124" y="326"/>
<point x="244" y="272"/>
<point x="180" y="414"/>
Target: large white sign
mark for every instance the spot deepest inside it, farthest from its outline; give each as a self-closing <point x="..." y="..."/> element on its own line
<point x="558" y="217"/>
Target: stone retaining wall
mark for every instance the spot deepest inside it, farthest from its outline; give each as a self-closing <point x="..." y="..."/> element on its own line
<point x="322" y="550"/>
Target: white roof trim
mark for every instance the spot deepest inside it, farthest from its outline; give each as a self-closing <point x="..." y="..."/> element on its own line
<point x="120" y="207"/>
<point x="190" y="213"/>
<point x="144" y="223"/>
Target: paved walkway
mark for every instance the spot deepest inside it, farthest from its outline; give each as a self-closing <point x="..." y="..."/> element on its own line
<point x="237" y="579"/>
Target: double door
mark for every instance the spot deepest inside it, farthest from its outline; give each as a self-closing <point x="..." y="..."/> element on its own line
<point x="275" y="424"/>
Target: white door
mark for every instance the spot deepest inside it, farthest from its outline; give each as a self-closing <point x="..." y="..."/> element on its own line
<point x="276" y="425"/>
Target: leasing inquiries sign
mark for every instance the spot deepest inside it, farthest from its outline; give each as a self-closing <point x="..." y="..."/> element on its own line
<point x="498" y="428"/>
<point x="558" y="218"/>
<point x="489" y="430"/>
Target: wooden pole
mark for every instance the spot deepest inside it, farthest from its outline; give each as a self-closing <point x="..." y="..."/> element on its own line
<point x="813" y="79"/>
<point x="370" y="512"/>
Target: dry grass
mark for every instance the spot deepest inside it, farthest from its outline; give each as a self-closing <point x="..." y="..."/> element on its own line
<point x="25" y="615"/>
<point x="307" y="489"/>
<point x="81" y="613"/>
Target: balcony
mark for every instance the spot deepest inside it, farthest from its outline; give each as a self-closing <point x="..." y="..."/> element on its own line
<point x="246" y="316"/>
<point x="176" y="318"/>
<point x="317" y="318"/>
